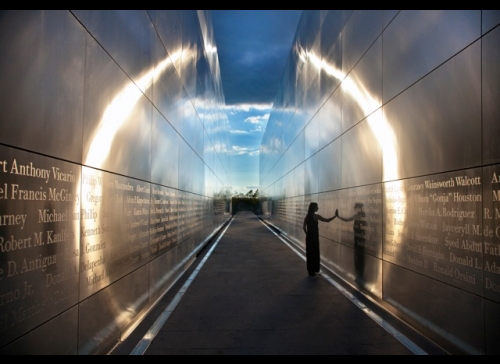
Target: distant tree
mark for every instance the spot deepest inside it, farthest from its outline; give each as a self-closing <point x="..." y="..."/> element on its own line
<point x="250" y="194"/>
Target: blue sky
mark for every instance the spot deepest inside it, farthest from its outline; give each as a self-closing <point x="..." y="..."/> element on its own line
<point x="253" y="47"/>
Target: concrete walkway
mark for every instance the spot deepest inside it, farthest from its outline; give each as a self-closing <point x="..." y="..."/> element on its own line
<point x="250" y="294"/>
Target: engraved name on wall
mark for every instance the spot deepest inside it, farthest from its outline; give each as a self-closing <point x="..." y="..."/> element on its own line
<point x="40" y="211"/>
<point x="115" y="231"/>
<point x="491" y="231"/>
<point x="434" y="225"/>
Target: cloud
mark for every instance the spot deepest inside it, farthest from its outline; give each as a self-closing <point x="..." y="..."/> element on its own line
<point x="257" y="130"/>
<point x="249" y="107"/>
<point x="258" y="120"/>
<point x="245" y="151"/>
<point x="240" y="132"/>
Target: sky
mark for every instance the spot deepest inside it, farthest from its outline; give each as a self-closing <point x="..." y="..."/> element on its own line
<point x="253" y="47"/>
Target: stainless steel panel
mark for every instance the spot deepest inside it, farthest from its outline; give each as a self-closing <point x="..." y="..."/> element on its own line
<point x="295" y="154"/>
<point x="331" y="50"/>
<point x="389" y="15"/>
<point x="308" y="28"/>
<point x="191" y="52"/>
<point x="362" y="209"/>
<point x="131" y="47"/>
<point x="191" y="127"/>
<point x="84" y="17"/>
<point x="167" y="88"/>
<point x="312" y="100"/>
<point x="418" y="41"/>
<point x="294" y="128"/>
<point x="184" y="225"/>
<point x="490" y="18"/>
<point x="165" y="153"/>
<point x="312" y="134"/>
<point x="362" y="29"/>
<point x="210" y="182"/>
<point x="165" y="270"/>
<point x="433" y="226"/>
<point x="295" y="185"/>
<point x="360" y="225"/>
<point x="192" y="219"/>
<point x="362" y="153"/>
<point x="56" y="337"/>
<point x="39" y="240"/>
<point x="446" y="314"/>
<point x="362" y="88"/>
<point x="164" y="219"/>
<point x="187" y="160"/>
<point x="492" y="333"/>
<point x="199" y="180"/>
<point x="308" y="51"/>
<point x="169" y="27"/>
<point x="104" y="316"/>
<point x="438" y="120"/>
<point x="115" y="234"/>
<point x="491" y="232"/>
<point x="491" y="95"/>
<point x="330" y="167"/>
<point x="337" y="257"/>
<point x="342" y="260"/>
<point x="311" y="175"/>
<point x="42" y="76"/>
<point x="118" y="117"/>
<point x="331" y="64"/>
<point x="329" y="120"/>
<point x="296" y="210"/>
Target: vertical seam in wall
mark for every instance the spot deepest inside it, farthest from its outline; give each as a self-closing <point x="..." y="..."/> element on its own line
<point x="382" y="184"/>
<point x="86" y="51"/>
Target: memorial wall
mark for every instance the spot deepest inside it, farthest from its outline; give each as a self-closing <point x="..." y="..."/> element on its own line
<point x="392" y="117"/>
<point x="113" y="169"/>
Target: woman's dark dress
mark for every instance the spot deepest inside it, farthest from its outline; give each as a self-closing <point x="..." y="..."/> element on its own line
<point x="312" y="245"/>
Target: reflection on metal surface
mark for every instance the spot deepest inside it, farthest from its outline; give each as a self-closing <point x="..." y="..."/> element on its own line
<point x="447" y="312"/>
<point x="380" y="127"/>
<point x="117" y="112"/>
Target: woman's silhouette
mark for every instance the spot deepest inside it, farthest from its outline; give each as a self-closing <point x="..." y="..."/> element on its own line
<point x="311" y="229"/>
<point x="359" y="227"/>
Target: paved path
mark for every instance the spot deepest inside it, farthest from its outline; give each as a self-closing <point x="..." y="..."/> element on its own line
<point x="250" y="294"/>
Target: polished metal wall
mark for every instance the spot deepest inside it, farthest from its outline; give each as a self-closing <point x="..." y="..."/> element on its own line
<point x="397" y="111"/>
<point x="113" y="169"/>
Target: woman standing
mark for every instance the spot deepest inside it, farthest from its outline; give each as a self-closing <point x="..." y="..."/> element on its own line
<point x="311" y="229"/>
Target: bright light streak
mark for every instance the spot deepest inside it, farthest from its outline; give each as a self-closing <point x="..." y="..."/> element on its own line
<point x="118" y="111"/>
<point x="377" y="122"/>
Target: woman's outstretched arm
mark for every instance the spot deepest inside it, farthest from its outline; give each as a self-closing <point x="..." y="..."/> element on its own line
<point x="321" y="218"/>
